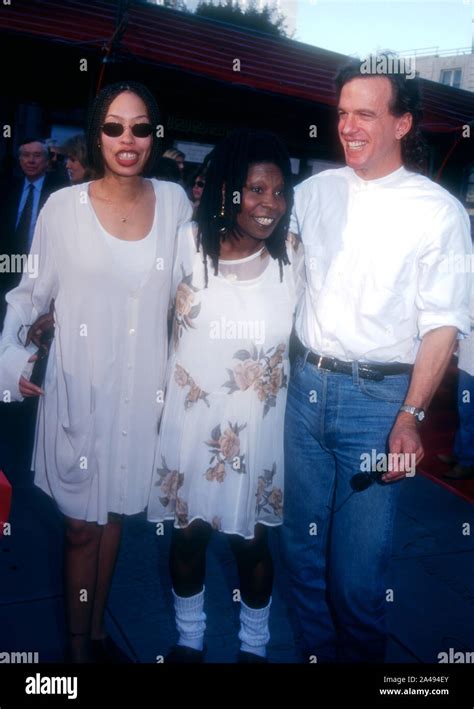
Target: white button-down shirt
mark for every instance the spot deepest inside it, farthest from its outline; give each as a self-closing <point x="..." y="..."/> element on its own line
<point x="377" y="266"/>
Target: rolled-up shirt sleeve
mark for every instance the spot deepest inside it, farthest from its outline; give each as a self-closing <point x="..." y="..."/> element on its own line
<point x="26" y="303"/>
<point x="444" y="278"/>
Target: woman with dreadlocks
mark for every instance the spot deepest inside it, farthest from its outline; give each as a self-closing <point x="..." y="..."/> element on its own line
<point x="220" y="452"/>
<point x="105" y="251"/>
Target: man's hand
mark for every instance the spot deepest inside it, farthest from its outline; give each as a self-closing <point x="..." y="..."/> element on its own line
<point x="405" y="443"/>
<point x="430" y="365"/>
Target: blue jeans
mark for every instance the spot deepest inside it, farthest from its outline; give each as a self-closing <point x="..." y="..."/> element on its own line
<point x="464" y="441"/>
<point x="337" y="542"/>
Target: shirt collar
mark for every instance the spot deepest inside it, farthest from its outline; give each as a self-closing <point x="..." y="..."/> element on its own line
<point x="387" y="181"/>
<point x="37" y="184"/>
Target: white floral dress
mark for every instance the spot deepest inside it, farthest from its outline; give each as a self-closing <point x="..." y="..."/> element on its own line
<point x="220" y="449"/>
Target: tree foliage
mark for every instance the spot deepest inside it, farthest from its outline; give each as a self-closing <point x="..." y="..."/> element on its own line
<point x="265" y="19"/>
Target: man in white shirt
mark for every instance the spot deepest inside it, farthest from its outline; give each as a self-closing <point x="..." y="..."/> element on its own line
<point x="376" y="328"/>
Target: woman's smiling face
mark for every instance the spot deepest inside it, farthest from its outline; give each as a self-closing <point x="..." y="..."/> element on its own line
<point x="126" y="155"/>
<point x="263" y="201"/>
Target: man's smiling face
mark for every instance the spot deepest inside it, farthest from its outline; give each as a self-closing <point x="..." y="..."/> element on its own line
<point x="369" y="133"/>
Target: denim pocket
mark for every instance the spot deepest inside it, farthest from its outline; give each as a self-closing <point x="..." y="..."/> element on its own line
<point x="391" y="389"/>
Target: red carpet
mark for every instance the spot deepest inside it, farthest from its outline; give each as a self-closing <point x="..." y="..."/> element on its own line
<point x="438" y="435"/>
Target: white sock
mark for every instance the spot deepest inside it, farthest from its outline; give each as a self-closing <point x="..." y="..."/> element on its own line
<point x="190" y="620"/>
<point x="254" y="634"/>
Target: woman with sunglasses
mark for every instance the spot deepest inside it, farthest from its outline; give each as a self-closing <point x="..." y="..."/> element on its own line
<point x="105" y="251"/>
<point x="196" y="187"/>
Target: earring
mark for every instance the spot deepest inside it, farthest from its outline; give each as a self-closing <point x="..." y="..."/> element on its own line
<point x="99" y="145"/>
<point x="221" y="218"/>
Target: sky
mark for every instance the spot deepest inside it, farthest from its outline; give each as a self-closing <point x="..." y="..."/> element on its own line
<point x="360" y="27"/>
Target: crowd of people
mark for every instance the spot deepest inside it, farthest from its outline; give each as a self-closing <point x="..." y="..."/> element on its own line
<point x="306" y="327"/>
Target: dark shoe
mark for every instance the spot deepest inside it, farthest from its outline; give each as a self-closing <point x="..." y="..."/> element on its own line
<point x="448" y="459"/>
<point x="248" y="658"/>
<point x="180" y="654"/>
<point x="460" y="472"/>
<point x="106" y="652"/>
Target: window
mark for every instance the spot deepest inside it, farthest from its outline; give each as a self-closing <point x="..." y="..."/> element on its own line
<point x="451" y="77"/>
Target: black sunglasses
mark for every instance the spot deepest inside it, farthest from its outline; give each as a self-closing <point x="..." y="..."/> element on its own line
<point x="199" y="183"/>
<point x="139" y="130"/>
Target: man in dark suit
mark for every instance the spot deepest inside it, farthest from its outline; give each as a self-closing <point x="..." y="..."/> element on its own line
<point x="21" y="200"/>
<point x="20" y="203"/>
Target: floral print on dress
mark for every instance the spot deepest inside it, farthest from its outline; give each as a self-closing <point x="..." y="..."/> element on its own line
<point x="182" y="379"/>
<point x="269" y="498"/>
<point x="184" y="310"/>
<point x="169" y="481"/>
<point x="261" y="371"/>
<point x="182" y="514"/>
<point x="225" y="449"/>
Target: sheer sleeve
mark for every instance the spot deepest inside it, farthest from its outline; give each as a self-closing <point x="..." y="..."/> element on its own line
<point x="185" y="251"/>
<point x="296" y="256"/>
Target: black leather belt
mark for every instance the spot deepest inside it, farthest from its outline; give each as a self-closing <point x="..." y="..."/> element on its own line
<point x="366" y="370"/>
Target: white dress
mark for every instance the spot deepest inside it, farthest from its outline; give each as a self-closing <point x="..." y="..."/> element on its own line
<point x="220" y="449"/>
<point x="98" y="419"/>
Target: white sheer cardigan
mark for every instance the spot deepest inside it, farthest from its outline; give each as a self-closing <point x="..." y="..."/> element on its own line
<point x="98" y="419"/>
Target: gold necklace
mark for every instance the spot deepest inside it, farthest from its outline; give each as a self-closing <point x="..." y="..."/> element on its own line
<point x="125" y="218"/>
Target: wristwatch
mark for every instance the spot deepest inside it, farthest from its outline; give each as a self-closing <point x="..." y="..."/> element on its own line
<point x="419" y="414"/>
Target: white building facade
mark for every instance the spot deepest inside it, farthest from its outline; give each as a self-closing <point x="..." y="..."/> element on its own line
<point x="455" y="69"/>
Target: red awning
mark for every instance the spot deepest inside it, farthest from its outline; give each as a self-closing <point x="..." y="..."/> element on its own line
<point x="209" y="48"/>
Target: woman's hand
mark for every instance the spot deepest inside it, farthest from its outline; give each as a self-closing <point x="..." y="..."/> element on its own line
<point x="26" y="387"/>
<point x="42" y="331"/>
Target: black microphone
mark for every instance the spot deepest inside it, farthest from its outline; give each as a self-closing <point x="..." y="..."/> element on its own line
<point x="361" y="481"/>
<point x="39" y="368"/>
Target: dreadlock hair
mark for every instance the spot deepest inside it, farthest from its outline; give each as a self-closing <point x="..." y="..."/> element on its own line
<point x="226" y="174"/>
<point x="96" y="118"/>
<point x="406" y="98"/>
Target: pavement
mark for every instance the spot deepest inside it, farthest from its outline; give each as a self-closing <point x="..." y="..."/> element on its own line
<point x="430" y="609"/>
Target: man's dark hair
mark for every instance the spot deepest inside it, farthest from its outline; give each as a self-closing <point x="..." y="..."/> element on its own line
<point x="227" y="166"/>
<point x="98" y="112"/>
<point x="406" y="98"/>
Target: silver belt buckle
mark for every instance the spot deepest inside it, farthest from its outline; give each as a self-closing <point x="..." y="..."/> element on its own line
<point x="319" y="361"/>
